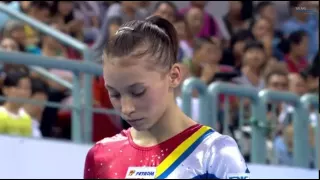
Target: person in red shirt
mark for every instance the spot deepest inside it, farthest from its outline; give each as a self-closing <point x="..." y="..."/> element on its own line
<point x="141" y="73"/>
<point x="296" y="58"/>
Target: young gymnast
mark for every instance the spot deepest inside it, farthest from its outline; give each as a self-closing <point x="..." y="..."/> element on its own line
<point x="141" y="73"/>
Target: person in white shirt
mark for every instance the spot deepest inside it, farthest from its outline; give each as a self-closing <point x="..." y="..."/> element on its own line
<point x="39" y="93"/>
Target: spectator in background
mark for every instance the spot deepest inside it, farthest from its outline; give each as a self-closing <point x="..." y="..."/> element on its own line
<point x="166" y="10"/>
<point x="39" y="90"/>
<point x="13" y="120"/>
<point x="145" y="7"/>
<point x="185" y="38"/>
<point x="57" y="93"/>
<point x="126" y="10"/>
<point x="89" y="12"/>
<point x="254" y="59"/>
<point x="39" y="10"/>
<point x="306" y="21"/>
<point x="276" y="77"/>
<point x="9" y="45"/>
<point x="252" y="68"/>
<point x="233" y="55"/>
<point x="52" y="47"/>
<point x="234" y="20"/>
<point x="288" y="138"/>
<point x="262" y="31"/>
<point x="296" y="49"/>
<point x="195" y="20"/>
<point x="267" y="10"/>
<point x="312" y="80"/>
<point x="205" y="66"/>
<point x="298" y="86"/>
<point x="312" y="73"/>
<point x="210" y="26"/>
<point x="62" y="13"/>
<point x="13" y="5"/>
<point x="15" y="30"/>
<point x="205" y="62"/>
<point x="69" y="22"/>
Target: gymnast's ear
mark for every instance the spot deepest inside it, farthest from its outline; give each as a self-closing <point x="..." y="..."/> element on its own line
<point x="175" y="75"/>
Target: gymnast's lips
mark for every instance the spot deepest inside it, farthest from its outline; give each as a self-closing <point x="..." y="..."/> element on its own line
<point x="134" y="120"/>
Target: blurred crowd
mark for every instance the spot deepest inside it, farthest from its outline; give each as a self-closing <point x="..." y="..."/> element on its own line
<point x="247" y="46"/>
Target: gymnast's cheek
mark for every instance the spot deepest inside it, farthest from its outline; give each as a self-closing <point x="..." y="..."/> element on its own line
<point x="115" y="103"/>
<point x="153" y="103"/>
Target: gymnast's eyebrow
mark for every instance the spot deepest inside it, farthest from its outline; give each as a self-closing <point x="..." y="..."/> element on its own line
<point x="130" y="86"/>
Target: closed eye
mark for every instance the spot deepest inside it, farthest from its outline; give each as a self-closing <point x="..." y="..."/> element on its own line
<point x="139" y="93"/>
<point x="113" y="95"/>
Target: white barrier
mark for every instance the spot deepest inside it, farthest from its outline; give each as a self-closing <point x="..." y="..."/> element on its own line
<point x="23" y="158"/>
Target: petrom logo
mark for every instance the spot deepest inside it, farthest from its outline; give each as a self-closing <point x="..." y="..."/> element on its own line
<point x="145" y="173"/>
<point x="305" y="10"/>
<point x="141" y="173"/>
<point x="238" y="176"/>
<point x="131" y="172"/>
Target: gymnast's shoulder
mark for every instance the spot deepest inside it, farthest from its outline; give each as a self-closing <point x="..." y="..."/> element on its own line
<point x="222" y="152"/>
<point x="108" y="144"/>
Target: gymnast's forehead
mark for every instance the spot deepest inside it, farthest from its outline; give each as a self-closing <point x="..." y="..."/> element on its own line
<point x="139" y="56"/>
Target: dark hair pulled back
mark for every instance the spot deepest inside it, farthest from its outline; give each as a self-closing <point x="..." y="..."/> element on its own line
<point x="154" y="36"/>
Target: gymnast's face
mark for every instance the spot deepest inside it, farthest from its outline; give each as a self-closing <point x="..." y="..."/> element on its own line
<point x="139" y="93"/>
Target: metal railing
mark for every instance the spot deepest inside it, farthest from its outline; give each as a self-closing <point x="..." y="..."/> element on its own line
<point x="300" y="123"/>
<point x="258" y="122"/>
<point x="258" y="149"/>
<point x="69" y="41"/>
<point x="307" y="101"/>
<point x="65" y="64"/>
<point x="187" y="89"/>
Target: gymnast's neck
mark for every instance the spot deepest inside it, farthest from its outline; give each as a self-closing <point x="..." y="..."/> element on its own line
<point x="173" y="122"/>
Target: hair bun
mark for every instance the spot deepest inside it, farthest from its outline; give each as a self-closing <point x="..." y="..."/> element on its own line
<point x="168" y="28"/>
<point x="159" y="21"/>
